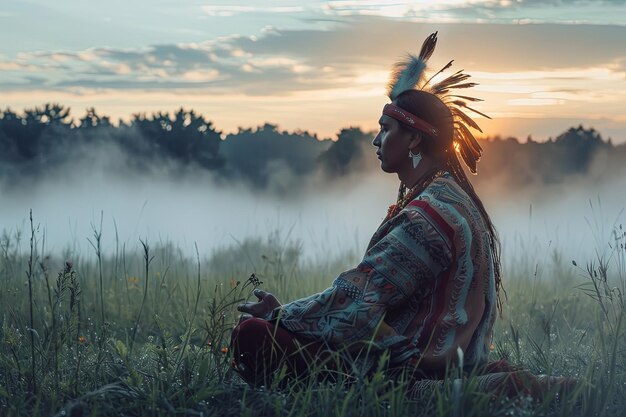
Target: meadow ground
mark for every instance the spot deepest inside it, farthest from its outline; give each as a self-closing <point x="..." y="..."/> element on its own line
<point x="145" y="331"/>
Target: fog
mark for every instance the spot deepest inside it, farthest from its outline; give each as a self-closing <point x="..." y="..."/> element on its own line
<point x="175" y="179"/>
<point x="194" y="209"/>
<point x="574" y="217"/>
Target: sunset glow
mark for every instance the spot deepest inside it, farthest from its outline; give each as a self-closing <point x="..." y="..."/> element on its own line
<point x="323" y="66"/>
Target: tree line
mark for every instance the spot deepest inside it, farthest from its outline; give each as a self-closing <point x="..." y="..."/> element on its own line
<point x="40" y="139"/>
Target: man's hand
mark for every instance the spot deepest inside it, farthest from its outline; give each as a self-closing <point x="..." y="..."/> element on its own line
<point x="262" y="309"/>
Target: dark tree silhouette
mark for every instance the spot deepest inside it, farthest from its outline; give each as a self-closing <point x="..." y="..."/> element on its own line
<point x="576" y="149"/>
<point x="91" y="120"/>
<point x="521" y="165"/>
<point x="27" y="132"/>
<point x="36" y="141"/>
<point x="255" y="155"/>
<point x="186" y="137"/>
<point x="343" y="155"/>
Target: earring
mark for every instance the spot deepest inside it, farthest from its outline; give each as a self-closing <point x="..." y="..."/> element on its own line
<point x="416" y="158"/>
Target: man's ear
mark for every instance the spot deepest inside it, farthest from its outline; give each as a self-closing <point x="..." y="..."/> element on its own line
<point x="416" y="140"/>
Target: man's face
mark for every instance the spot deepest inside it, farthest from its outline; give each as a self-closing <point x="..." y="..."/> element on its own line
<point x="393" y="145"/>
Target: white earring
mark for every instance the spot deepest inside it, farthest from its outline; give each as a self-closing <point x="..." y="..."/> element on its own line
<point x="416" y="158"/>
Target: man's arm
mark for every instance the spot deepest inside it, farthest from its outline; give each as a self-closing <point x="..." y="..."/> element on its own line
<point x="404" y="262"/>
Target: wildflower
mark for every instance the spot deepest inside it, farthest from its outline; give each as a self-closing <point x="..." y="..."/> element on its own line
<point x="82" y="339"/>
<point x="233" y="283"/>
<point x="492" y="347"/>
<point x="255" y="281"/>
<point x="224" y="349"/>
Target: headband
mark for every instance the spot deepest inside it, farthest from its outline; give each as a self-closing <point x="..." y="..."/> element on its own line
<point x="409" y="119"/>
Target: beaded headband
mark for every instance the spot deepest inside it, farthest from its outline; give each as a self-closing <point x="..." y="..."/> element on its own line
<point x="409" y="75"/>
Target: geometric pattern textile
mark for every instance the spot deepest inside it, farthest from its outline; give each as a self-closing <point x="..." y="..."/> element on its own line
<point x="423" y="292"/>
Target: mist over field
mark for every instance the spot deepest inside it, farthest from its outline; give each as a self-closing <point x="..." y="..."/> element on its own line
<point x="326" y="196"/>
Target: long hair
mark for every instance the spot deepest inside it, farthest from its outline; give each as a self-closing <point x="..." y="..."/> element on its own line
<point x="431" y="109"/>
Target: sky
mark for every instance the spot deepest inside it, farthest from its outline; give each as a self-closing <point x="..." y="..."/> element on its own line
<point x="542" y="66"/>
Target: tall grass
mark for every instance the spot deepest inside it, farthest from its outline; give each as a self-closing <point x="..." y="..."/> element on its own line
<point x="158" y="345"/>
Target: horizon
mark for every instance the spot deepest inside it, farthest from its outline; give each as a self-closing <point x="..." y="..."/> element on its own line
<point x="75" y="123"/>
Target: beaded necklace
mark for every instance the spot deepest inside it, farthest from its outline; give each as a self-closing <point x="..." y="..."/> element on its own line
<point x="404" y="196"/>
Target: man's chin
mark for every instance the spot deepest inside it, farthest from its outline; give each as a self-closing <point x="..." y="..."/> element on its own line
<point x="385" y="168"/>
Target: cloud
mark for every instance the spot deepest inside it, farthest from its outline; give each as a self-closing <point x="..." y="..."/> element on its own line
<point x="218" y="66"/>
<point x="488" y="10"/>
<point x="277" y="61"/>
<point x="488" y="47"/>
<point x="16" y="66"/>
<point x="323" y="79"/>
<point x="523" y="3"/>
<point x="535" y="102"/>
<point x="232" y="10"/>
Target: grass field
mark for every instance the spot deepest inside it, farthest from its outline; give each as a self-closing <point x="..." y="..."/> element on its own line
<point x="145" y="331"/>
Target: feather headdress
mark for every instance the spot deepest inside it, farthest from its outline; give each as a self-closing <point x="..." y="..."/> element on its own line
<point x="410" y="74"/>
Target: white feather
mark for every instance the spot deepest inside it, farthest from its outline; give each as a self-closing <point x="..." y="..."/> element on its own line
<point x="408" y="75"/>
